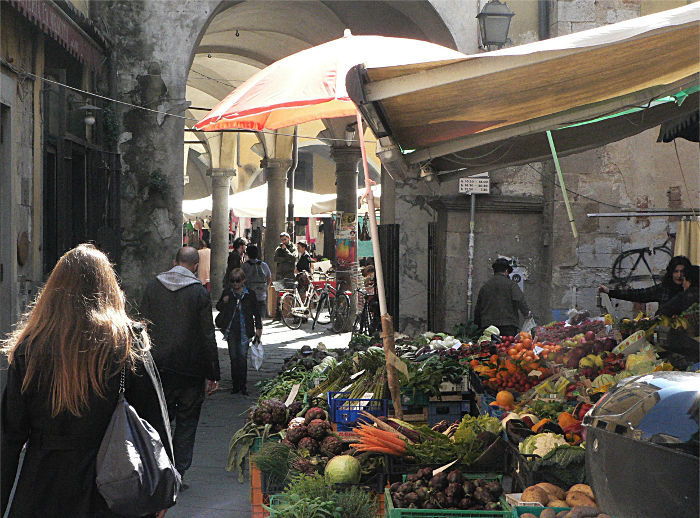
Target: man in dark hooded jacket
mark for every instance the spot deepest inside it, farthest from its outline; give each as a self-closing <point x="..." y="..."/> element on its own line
<point x="184" y="348"/>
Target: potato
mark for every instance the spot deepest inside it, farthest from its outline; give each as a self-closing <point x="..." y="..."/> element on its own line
<point x="582" y="512"/>
<point x="535" y="494"/>
<point x="576" y="498"/>
<point x="528" y="515"/>
<point x="603" y="515"/>
<point x="562" y="514"/>
<point x="583" y="488"/>
<point x="557" y="503"/>
<point x="548" y="513"/>
<point x="555" y="492"/>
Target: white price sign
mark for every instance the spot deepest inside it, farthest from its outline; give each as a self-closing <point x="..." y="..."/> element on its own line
<point x="474" y="185"/>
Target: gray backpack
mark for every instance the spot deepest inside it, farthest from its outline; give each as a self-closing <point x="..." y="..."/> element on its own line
<point x="257" y="280"/>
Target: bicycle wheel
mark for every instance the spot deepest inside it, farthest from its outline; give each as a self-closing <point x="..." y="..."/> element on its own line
<point x="323" y="312"/>
<point x="341" y="314"/>
<point x="287" y="306"/>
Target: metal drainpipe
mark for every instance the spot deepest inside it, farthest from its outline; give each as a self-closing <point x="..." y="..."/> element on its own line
<point x="543" y="19"/>
<point x="290" y="175"/>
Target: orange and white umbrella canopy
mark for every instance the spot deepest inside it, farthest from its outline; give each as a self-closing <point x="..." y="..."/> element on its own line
<point x="310" y="84"/>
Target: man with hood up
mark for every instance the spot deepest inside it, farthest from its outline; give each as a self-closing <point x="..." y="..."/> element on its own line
<point x="179" y="312"/>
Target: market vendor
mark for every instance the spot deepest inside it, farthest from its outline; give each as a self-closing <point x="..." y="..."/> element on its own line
<point x="670" y="286"/>
<point x="689" y="296"/>
<point x="499" y="301"/>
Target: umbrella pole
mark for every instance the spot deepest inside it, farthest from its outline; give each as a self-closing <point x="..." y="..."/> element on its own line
<point x="387" y="324"/>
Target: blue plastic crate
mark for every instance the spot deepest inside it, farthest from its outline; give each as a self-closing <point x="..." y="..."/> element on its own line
<point x="448" y="410"/>
<point x="345" y="412"/>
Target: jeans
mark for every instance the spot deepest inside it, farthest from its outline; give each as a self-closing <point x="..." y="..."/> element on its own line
<point x="184" y="396"/>
<point x="238" y="352"/>
<point x="262" y="307"/>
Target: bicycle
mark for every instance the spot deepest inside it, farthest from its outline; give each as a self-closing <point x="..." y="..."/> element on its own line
<point x="293" y="308"/>
<point x="626" y="263"/>
<point x="334" y="304"/>
<point x="368" y="320"/>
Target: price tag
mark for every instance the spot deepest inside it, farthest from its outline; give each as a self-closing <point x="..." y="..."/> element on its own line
<point x="357" y="374"/>
<point x="397" y="363"/>
<point x="443" y="468"/>
<point x="292" y="394"/>
<point x="537" y="350"/>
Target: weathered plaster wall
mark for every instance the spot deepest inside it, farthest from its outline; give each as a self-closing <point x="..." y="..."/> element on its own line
<point x="634" y="172"/>
<point x="20" y="44"/>
<point x="153" y="42"/>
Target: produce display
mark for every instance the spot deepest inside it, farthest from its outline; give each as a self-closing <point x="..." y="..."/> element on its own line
<point x="446" y="490"/>
<point x="513" y="405"/>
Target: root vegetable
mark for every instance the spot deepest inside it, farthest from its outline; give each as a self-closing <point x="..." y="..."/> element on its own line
<point x="555" y="492"/>
<point x="583" y="488"/>
<point x="557" y="503"/>
<point x="548" y="513"/>
<point x="577" y="498"/>
<point x="535" y="494"/>
<point x="583" y="512"/>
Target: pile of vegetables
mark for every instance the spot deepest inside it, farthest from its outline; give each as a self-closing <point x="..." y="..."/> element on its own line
<point x="364" y="372"/>
<point x="425" y="490"/>
<point x="312" y="496"/>
<point x="579" y="497"/>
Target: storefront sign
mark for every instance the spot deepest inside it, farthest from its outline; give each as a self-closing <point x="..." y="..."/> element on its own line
<point x="54" y="22"/>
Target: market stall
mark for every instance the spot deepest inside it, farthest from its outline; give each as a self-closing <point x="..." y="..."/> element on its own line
<point x="491" y="424"/>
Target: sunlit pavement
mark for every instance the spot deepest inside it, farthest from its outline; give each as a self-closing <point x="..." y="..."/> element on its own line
<point x="214" y="492"/>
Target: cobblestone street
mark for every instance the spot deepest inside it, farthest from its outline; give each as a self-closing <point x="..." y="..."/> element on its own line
<point x="214" y="492"/>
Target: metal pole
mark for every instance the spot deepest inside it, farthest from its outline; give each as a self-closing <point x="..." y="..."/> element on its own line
<point x="561" y="183"/>
<point x="292" y="171"/>
<point x="470" y="268"/>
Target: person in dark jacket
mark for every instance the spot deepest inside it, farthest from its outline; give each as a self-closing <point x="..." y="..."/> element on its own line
<point x="499" y="301"/>
<point x="670" y="286"/>
<point x="689" y="296"/>
<point x="285" y="258"/>
<point x="241" y="322"/>
<point x="179" y="310"/>
<point x="235" y="257"/>
<point x="65" y="360"/>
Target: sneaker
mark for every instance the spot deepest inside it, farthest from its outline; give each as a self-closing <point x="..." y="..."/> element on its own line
<point x="184" y="487"/>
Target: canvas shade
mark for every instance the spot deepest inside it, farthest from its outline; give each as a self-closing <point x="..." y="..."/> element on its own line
<point x="253" y="203"/>
<point x="492" y="101"/>
<point x="310" y="84"/>
<point x="325" y="204"/>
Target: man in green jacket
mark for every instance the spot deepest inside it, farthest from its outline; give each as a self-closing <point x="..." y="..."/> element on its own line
<point x="285" y="258"/>
<point x="499" y="301"/>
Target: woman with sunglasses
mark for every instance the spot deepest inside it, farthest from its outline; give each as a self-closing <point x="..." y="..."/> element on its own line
<point x="239" y="308"/>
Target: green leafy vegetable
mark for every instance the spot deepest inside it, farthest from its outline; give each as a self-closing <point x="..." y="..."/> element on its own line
<point x="566" y="463"/>
<point x="470" y="427"/>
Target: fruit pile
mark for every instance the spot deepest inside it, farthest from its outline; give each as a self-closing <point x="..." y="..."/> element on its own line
<point x="313" y="434"/>
<point x="558" y="332"/>
<point x="446" y="491"/>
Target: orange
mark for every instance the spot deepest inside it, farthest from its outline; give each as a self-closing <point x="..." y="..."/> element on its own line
<point x="505" y="398"/>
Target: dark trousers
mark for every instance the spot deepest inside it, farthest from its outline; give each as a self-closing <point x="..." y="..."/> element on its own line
<point x="238" y="353"/>
<point x="508" y="330"/>
<point x="262" y="307"/>
<point x="184" y="396"/>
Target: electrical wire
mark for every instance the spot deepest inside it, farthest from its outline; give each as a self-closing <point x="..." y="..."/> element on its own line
<point x="574" y="192"/>
<point x="24" y="73"/>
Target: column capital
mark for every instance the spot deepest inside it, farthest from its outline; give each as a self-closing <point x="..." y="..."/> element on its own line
<point x="221" y="171"/>
<point x="276" y="164"/>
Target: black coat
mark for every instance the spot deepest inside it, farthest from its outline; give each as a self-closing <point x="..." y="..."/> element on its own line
<point x="182" y="330"/>
<point x="57" y="477"/>
<point x="251" y="313"/>
<point x="661" y="293"/>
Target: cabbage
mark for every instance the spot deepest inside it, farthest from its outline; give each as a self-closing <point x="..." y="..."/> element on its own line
<point x="541" y="444"/>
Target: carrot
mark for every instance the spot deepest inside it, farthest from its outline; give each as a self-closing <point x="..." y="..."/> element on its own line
<point x="381" y="434"/>
<point x="380" y="442"/>
<point x="381" y="424"/>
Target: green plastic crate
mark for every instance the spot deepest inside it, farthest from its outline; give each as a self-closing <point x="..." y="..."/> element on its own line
<point x="391" y="512"/>
<point x="536" y="510"/>
<point x="257" y="442"/>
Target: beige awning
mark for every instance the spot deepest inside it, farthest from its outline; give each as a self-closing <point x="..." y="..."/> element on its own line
<point x="499" y="104"/>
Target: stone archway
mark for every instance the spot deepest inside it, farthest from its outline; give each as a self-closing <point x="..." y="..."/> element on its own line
<point x="156" y="45"/>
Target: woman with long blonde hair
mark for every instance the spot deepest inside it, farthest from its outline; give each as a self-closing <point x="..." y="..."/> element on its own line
<point x="65" y="358"/>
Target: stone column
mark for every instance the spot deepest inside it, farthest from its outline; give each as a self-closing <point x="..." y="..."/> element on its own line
<point x="388" y="198"/>
<point x="276" y="175"/>
<point x="346" y="159"/>
<point x="220" y="187"/>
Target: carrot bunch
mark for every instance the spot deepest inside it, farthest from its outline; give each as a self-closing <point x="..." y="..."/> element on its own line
<point x="379" y="441"/>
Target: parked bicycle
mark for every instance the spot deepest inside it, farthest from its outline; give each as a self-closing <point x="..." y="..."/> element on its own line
<point x="296" y="306"/>
<point x="628" y="265"/>
<point x="333" y="307"/>
<point x="368" y="320"/>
